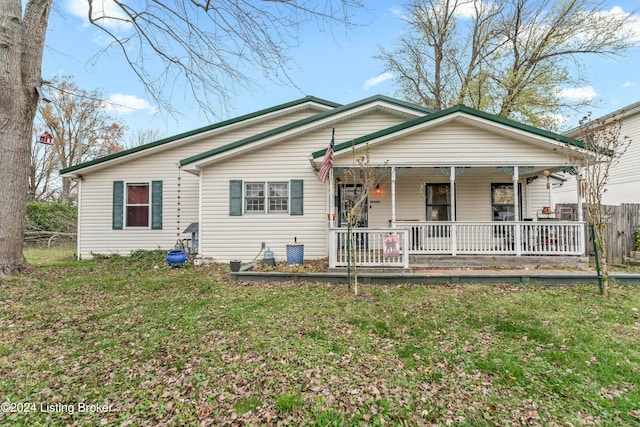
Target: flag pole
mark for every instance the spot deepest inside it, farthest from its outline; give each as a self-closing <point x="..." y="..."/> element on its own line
<point x="332" y="200"/>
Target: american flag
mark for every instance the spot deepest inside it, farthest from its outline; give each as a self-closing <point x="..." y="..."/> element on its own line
<point x="327" y="163"/>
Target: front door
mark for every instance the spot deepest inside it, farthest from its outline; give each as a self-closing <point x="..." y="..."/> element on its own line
<point x="348" y="194"/>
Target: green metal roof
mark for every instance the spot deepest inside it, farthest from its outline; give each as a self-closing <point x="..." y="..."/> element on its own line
<point x="443" y="113"/>
<point x="299" y="123"/>
<point x="199" y="131"/>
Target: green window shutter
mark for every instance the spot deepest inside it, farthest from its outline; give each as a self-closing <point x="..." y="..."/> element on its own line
<point x="297" y="199"/>
<point x="235" y="197"/>
<point x="156" y="205"/>
<point x="117" y="213"/>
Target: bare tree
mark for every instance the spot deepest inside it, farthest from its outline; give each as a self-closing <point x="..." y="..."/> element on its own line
<point x="366" y="177"/>
<point x="80" y="126"/>
<point x="206" y="46"/>
<point x="142" y="137"/>
<point x="602" y="147"/>
<point x="43" y="185"/>
<point x="509" y="58"/>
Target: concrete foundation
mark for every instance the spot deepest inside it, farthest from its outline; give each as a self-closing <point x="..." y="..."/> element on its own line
<point x="418" y="262"/>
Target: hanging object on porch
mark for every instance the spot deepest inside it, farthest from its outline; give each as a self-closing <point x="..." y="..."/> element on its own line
<point x="546" y="173"/>
<point x="46" y="138"/>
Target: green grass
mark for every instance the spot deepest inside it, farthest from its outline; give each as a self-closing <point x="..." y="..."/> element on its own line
<point x="183" y="346"/>
<point x="57" y="254"/>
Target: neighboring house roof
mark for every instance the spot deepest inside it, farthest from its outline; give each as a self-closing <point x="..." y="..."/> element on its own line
<point x="451" y="112"/>
<point x="400" y="106"/>
<point x="620" y="114"/>
<point x="200" y="131"/>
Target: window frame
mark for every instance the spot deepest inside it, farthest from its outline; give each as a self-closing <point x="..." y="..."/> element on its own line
<point x="266" y="199"/>
<point x="127" y="205"/>
<point x="450" y="214"/>
<point x="493" y="205"/>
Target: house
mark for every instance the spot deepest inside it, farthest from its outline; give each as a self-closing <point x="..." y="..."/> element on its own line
<point x="461" y="183"/>
<point x="624" y="178"/>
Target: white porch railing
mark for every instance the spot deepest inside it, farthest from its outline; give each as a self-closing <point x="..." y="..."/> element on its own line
<point x="495" y="238"/>
<point x="372" y="247"/>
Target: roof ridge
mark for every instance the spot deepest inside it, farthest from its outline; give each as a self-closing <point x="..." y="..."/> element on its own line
<point x="458" y="108"/>
<point x="301" y="122"/>
<point x="200" y="130"/>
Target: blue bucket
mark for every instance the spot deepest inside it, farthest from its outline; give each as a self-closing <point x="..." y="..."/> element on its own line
<point x="295" y="254"/>
<point x="176" y="257"/>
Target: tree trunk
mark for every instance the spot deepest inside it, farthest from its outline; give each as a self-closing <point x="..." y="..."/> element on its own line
<point x="21" y="45"/>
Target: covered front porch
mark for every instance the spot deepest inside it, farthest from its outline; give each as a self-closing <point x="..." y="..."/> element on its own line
<point x="455" y="213"/>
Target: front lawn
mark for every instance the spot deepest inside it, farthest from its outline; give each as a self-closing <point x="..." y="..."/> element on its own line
<point x="119" y="342"/>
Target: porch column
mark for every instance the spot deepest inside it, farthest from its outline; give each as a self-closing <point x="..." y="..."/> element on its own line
<point x="551" y="201"/>
<point x="579" y="192"/>
<point x="393" y="197"/>
<point x="454" y="228"/>
<point x="332" y="200"/>
<point x="331" y="242"/>
<point x="516" y="214"/>
<point x="516" y="204"/>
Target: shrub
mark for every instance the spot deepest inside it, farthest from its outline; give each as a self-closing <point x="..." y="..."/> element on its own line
<point x="54" y="217"/>
<point x="636" y="234"/>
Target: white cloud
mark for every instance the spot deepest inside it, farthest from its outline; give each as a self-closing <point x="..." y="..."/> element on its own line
<point x="586" y="93"/>
<point x="629" y="83"/>
<point x="468" y="9"/>
<point x="375" y="81"/>
<point x="633" y="25"/>
<point x="105" y="8"/>
<point x="119" y="103"/>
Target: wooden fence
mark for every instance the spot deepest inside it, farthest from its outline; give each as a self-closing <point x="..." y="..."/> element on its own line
<point x="623" y="219"/>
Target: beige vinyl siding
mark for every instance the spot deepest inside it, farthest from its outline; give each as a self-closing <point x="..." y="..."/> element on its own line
<point x="473" y="195"/>
<point x="95" y="229"/>
<point x="227" y="237"/>
<point x="438" y="145"/>
<point x="624" y="179"/>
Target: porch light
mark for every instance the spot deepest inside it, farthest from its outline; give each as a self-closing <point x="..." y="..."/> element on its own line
<point x="378" y="190"/>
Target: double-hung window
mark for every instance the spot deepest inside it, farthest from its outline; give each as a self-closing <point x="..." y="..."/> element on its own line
<point x="137" y="205"/>
<point x="266" y="197"/>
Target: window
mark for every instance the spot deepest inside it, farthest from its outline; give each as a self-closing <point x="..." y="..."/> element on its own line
<point x="438" y="202"/>
<point x="275" y="199"/>
<point x="254" y="200"/>
<point x="278" y="197"/>
<point x="502" y="202"/>
<point x="137" y="205"/>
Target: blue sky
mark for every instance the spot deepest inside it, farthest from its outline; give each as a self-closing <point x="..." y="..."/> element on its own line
<point x="338" y="67"/>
